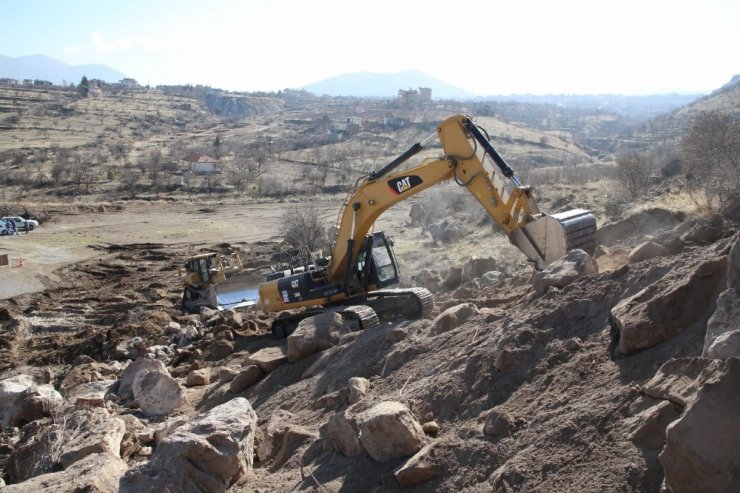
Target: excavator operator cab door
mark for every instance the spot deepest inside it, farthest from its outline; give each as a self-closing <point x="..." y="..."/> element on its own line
<point x="383" y="268"/>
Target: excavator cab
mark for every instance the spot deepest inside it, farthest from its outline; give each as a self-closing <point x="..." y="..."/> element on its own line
<point x="382" y="269"/>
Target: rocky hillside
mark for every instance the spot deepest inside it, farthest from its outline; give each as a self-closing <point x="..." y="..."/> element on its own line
<point x="674" y="124"/>
<point x="607" y="373"/>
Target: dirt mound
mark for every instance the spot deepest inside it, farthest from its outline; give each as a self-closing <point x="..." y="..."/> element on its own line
<point x="647" y="222"/>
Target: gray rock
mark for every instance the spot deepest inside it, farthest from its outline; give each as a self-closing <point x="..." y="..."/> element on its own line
<point x="498" y="423"/>
<point x="475" y="267"/>
<point x="91" y="432"/>
<point x="389" y="430"/>
<point x="420" y="468"/>
<point x="733" y="266"/>
<point x="358" y="387"/>
<point x="492" y="278"/>
<point x="246" y="378"/>
<point x="12" y="387"/>
<point x="647" y="429"/>
<point x="294" y="437"/>
<point x="646" y="250"/>
<point x="33" y="403"/>
<point x="210" y="453"/>
<point x="701" y="450"/>
<point x="92" y="394"/>
<point x="317" y="333"/>
<point x="157" y="393"/>
<point x="125" y="388"/>
<point x="446" y="231"/>
<point x="667" y="306"/>
<point x="453" y="278"/>
<point x="725" y="346"/>
<point x="268" y="358"/>
<point x="452" y="317"/>
<point x="343" y="432"/>
<point x="574" y="265"/>
<point x="98" y="473"/>
<point x="705" y="231"/>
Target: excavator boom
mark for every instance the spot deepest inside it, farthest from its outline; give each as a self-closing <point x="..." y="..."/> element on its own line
<point x="543" y="239"/>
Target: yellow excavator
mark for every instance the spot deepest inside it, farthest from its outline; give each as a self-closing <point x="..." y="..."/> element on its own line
<point x="354" y="278"/>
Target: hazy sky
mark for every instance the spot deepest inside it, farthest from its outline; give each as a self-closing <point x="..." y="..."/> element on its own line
<point x="486" y="47"/>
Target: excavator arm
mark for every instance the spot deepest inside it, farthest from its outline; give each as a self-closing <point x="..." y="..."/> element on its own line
<point x="541" y="238"/>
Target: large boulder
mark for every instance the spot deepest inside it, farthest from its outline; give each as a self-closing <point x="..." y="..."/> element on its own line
<point x="269" y="358"/>
<point x="477" y="266"/>
<point x="725" y="346"/>
<point x="125" y="388"/>
<point x="157" y="393"/>
<point x="70" y="437"/>
<point x="317" y="333"/>
<point x="668" y="306"/>
<point x="452" y="317"/>
<point x="389" y="430"/>
<point x="576" y="264"/>
<point x="210" y="453"/>
<point x="91" y="432"/>
<point x="12" y="387"/>
<point x="422" y="467"/>
<point x="725" y="319"/>
<point x="343" y="432"/>
<point x="701" y="450"/>
<point x="99" y="473"/>
<point x="35" y="402"/>
<point x="245" y="378"/>
<point x="646" y="250"/>
<point x="446" y="231"/>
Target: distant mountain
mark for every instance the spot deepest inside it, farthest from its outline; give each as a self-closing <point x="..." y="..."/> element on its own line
<point x="385" y="85"/>
<point x="639" y="108"/>
<point x="46" y="68"/>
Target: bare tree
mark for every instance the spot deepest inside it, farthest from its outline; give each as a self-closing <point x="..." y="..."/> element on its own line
<point x="711" y="149"/>
<point x="633" y="173"/>
<point x="305" y="228"/>
<point x="130" y="180"/>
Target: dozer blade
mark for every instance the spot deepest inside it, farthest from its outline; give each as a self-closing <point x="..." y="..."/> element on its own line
<point x="548" y="238"/>
<point x="241" y="290"/>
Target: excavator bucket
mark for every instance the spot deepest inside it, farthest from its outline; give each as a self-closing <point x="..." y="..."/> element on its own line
<point x="548" y="238"/>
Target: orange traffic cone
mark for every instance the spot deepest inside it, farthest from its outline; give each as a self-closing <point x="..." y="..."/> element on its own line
<point x="20" y="262"/>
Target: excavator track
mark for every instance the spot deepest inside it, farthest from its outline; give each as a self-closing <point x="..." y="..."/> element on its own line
<point x="384" y="304"/>
<point x="401" y="302"/>
<point x="362" y="313"/>
<point x="366" y="316"/>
